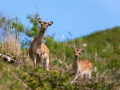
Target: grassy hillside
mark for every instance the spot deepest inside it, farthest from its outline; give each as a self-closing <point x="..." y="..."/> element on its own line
<point x="101" y="48"/>
<point x="104" y="46"/>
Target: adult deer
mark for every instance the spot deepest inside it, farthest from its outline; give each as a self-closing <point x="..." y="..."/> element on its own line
<point x="82" y="68"/>
<point x="38" y="51"/>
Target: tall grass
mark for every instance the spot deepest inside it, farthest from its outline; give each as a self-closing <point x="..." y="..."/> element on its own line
<point x="10" y="44"/>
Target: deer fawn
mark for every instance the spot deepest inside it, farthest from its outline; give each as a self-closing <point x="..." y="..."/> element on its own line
<point x="82" y="68"/>
<point x="38" y="51"/>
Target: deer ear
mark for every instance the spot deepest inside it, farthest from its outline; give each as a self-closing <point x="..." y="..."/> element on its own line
<point x="50" y="23"/>
<point x="40" y="20"/>
<point x="73" y="47"/>
<point x="82" y="50"/>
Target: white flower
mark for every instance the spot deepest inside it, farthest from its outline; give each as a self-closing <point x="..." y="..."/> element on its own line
<point x="63" y="37"/>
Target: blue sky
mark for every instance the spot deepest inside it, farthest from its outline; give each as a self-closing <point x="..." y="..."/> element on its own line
<point x="80" y="17"/>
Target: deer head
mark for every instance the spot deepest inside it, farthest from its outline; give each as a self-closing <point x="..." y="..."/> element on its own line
<point x="44" y="25"/>
<point x="77" y="51"/>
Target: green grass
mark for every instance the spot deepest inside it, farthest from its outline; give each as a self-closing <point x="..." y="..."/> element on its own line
<point x="104" y="45"/>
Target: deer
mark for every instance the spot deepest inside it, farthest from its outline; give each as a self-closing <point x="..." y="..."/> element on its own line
<point x="38" y="51"/>
<point x="81" y="68"/>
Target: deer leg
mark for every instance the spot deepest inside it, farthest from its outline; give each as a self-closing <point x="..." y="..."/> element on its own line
<point x="34" y="59"/>
<point x="89" y="75"/>
<point x="77" y="75"/>
<point x="82" y="75"/>
<point x="46" y="61"/>
<point x="47" y="64"/>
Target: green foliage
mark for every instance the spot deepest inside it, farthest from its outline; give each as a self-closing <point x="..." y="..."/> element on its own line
<point x="33" y="32"/>
<point x="102" y="49"/>
<point x="17" y="25"/>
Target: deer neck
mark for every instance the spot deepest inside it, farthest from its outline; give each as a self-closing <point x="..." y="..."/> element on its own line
<point x="76" y="60"/>
<point x="75" y="65"/>
<point x="40" y="37"/>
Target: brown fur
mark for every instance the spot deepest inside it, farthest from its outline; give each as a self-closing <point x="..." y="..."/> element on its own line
<point x="38" y="51"/>
<point x="84" y="64"/>
<point x="43" y="49"/>
<point x="81" y="67"/>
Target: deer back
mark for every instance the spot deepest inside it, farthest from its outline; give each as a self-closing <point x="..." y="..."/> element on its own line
<point x="84" y="64"/>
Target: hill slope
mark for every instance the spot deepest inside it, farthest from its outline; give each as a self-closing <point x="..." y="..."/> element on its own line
<point x="102" y="49"/>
